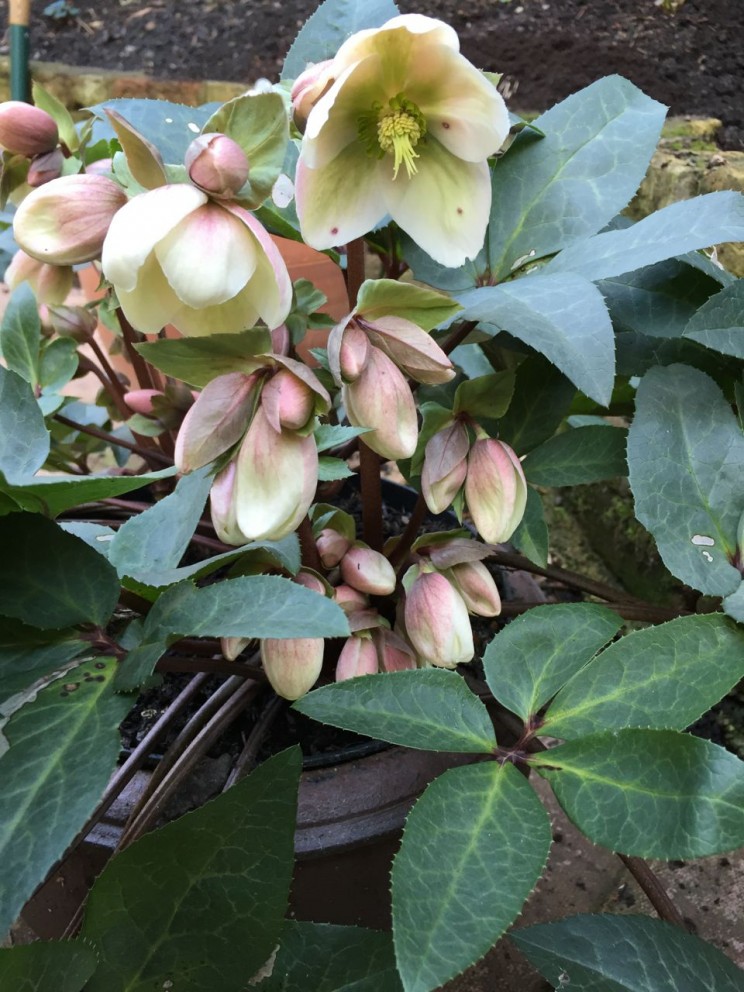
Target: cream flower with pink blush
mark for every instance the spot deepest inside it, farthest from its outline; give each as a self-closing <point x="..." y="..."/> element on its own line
<point x="404" y="129"/>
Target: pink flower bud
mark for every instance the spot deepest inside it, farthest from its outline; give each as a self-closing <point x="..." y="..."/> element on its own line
<point x="45" y="167"/>
<point x="310" y="581"/>
<point x="331" y="546"/>
<point x="353" y="353"/>
<point x="216" y="421"/>
<point x="65" y="221"/>
<point x="350" y="600"/>
<point x="217" y="165"/>
<point x="368" y="571"/>
<point x="358" y="657"/>
<point x="437" y="621"/>
<point x="382" y="399"/>
<point x="101" y="167"/>
<point x="287" y="401"/>
<point x="495" y="490"/>
<point x="222" y="506"/>
<point x="394" y="654"/>
<point x="26" y="130"/>
<point x="281" y="340"/>
<point x="72" y="322"/>
<point x="232" y="647"/>
<point x="140" y="400"/>
<point x="445" y="466"/>
<point x="477" y="587"/>
<point x="293" y="665"/>
<point x="50" y="283"/>
<point x="413" y="350"/>
<point x="308" y="88"/>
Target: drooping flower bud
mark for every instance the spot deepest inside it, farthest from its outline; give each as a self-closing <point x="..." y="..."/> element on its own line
<point x="331" y="546"/>
<point x="140" y="400"/>
<point x="50" y="283"/>
<point x="349" y="599"/>
<point x="292" y="665"/>
<point x="26" y="130"/>
<point x="353" y="353"/>
<point x="287" y="401"/>
<point x="231" y="647"/>
<point x="45" y="167"/>
<point x="216" y="421"/>
<point x="310" y="580"/>
<point x="477" y="587"/>
<point x="394" y="654"/>
<point x="437" y="621"/>
<point x="368" y="571"/>
<point x="281" y="340"/>
<point x="445" y="466"/>
<point x="217" y="165"/>
<point x="358" y="657"/>
<point x="222" y="501"/>
<point x="101" y="167"/>
<point x="65" y="221"/>
<point x="413" y="350"/>
<point x="308" y="88"/>
<point x="77" y="323"/>
<point x="495" y="489"/>
<point x="382" y="399"/>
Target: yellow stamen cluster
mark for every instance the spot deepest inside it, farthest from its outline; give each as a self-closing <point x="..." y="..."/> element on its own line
<point x="398" y="132"/>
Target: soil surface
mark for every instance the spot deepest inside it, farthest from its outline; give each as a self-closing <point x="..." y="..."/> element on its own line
<point x="691" y="60"/>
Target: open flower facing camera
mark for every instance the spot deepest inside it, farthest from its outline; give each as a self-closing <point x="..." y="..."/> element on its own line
<point x="352" y="332"/>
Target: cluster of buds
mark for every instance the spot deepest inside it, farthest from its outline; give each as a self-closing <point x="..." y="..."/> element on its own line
<point x="266" y="417"/>
<point x="370" y="359"/>
<point x="487" y="473"/>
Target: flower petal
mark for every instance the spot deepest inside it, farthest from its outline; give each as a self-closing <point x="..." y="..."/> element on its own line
<point x="207" y="258"/>
<point x="230" y="317"/>
<point x="151" y="304"/>
<point x="445" y="206"/>
<point x="140" y="225"/>
<point x="270" y="288"/>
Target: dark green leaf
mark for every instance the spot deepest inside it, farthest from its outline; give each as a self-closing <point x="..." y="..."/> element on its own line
<point x="24" y="439"/>
<point x="486" y="395"/>
<point x="63" y="747"/>
<point x="532" y="657"/>
<point x="23" y="664"/>
<point x="332" y="469"/>
<point x="542" y="397"/>
<point x="531" y="537"/>
<point x="156" y="540"/>
<point x="59" y="362"/>
<point x="20" y="334"/>
<point x="200" y="903"/>
<point x="47" y="966"/>
<point x="626" y="954"/>
<point x="325" y="958"/>
<point x="549" y="192"/>
<point x="425" y="708"/>
<point x="474" y="846"/>
<point x="53" y="494"/>
<point x="665" y="676"/>
<point x="328" y="28"/>
<point x="199" y="360"/>
<point x="680" y="227"/>
<point x="686" y="460"/>
<point x="651" y="793"/>
<point x="577" y="456"/>
<point x="719" y="323"/>
<point x="562" y="317"/>
<point x="49" y="578"/>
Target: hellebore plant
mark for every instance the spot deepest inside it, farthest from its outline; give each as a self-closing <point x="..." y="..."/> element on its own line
<point x="190" y="483"/>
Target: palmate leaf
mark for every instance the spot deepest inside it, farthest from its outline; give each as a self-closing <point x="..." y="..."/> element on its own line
<point x="474" y="846"/>
<point x="651" y="793"/>
<point x="199" y="904"/>
<point x="626" y="954"/>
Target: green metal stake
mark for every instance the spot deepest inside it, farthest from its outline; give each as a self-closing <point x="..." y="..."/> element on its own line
<point x="18" y="18"/>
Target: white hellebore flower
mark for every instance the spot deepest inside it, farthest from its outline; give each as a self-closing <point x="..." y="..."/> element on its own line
<point x="176" y="257"/>
<point x="404" y="130"/>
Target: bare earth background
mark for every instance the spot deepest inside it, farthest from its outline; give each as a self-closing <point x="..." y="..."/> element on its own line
<point x="693" y="61"/>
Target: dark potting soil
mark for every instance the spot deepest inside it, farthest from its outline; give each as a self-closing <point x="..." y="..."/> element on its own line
<point x="692" y="60"/>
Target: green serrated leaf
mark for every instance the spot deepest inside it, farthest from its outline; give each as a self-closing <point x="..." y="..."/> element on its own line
<point x="719" y="323"/>
<point x="47" y="966"/>
<point x="420" y="304"/>
<point x="485" y="396"/>
<point x="332" y="469"/>
<point x="53" y="494"/>
<point x="199" y="360"/>
<point x="528" y="661"/>
<point x="549" y="192"/>
<point x="578" y="456"/>
<point x="58" y="363"/>
<point x="681" y="227"/>
<point x="531" y="537"/>
<point x="686" y="461"/>
<point x="20" y="334"/>
<point x="155" y="541"/>
<point x="176" y="906"/>
<point x="21" y="665"/>
<point x="51" y="579"/>
<point x="626" y="954"/>
<point x="24" y="439"/>
<point x="650" y="793"/>
<point x="63" y="747"/>
<point x="561" y="316"/>
<point x="332" y="435"/>
<point x="328" y="958"/>
<point x="423" y="708"/>
<point x="474" y="846"/>
<point x="665" y="676"/>
<point x="249" y="606"/>
<point x="329" y="26"/>
<point x="542" y="398"/>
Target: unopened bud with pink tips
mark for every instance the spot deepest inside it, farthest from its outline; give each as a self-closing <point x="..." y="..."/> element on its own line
<point x="445" y="466"/>
<point x="495" y="489"/>
<point x="287" y="400"/>
<point x="477" y="587"/>
<point x="331" y="546"/>
<point x="140" y="400"/>
<point x="217" y="165"/>
<point x="358" y="657"/>
<point x="393" y="653"/>
<point x="45" y="167"/>
<point x="349" y="599"/>
<point x="293" y="665"/>
<point x="51" y="283"/>
<point x="26" y="130"/>
<point x="308" y="88"/>
<point x="368" y="571"/>
<point x="437" y="621"/>
<point x="381" y="399"/>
